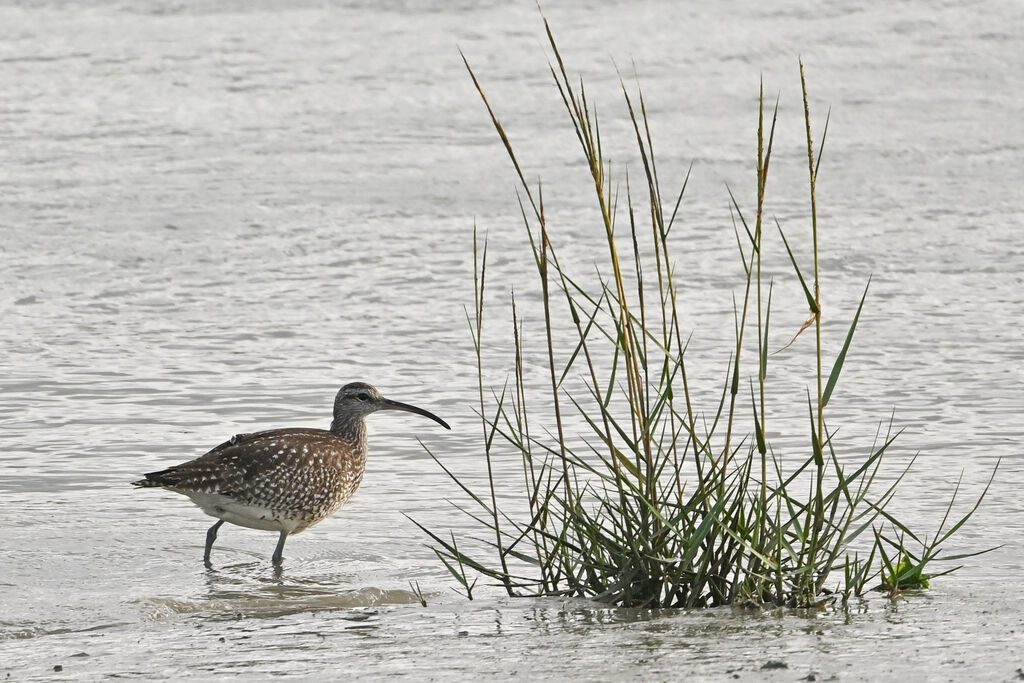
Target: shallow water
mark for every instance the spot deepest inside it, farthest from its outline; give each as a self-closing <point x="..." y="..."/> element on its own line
<point x="213" y="219"/>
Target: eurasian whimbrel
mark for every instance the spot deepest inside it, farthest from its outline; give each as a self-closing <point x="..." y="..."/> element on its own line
<point x="283" y="480"/>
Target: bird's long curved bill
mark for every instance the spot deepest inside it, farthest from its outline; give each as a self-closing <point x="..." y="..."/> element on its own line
<point x="388" y="404"/>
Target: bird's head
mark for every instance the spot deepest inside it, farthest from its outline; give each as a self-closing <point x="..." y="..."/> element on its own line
<point x="358" y="399"/>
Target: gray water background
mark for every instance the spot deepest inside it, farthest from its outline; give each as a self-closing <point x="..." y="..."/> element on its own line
<point x="213" y="216"/>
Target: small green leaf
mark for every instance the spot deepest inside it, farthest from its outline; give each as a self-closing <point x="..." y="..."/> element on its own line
<point x="807" y="292"/>
<point x="833" y="376"/>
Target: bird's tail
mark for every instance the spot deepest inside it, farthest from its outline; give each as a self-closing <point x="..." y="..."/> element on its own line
<point x="160" y="479"/>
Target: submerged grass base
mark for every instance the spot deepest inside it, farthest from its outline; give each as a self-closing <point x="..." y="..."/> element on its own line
<point x="663" y="502"/>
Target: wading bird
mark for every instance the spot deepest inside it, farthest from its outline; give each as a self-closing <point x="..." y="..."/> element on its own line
<point x="283" y="480"/>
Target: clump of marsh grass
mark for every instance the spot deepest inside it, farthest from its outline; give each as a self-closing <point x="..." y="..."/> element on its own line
<point x="660" y="501"/>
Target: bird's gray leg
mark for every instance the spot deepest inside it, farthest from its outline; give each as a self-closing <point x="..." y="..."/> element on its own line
<point x="280" y="548"/>
<point x="211" y="536"/>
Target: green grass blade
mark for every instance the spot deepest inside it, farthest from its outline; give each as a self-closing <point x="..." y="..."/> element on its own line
<point x="837" y="367"/>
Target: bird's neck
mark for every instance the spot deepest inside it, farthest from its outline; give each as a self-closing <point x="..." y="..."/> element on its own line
<point x="352" y="430"/>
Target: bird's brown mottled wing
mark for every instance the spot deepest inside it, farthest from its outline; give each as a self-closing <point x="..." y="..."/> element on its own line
<point x="233" y="465"/>
<point x="301" y="475"/>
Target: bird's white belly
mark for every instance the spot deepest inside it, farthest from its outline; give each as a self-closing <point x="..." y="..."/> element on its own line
<point x="251" y="516"/>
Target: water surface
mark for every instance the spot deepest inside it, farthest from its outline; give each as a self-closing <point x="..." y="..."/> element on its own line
<point x="212" y="218"/>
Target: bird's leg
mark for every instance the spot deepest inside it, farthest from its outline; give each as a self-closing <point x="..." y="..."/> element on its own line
<point x="211" y="536"/>
<point x="280" y="548"/>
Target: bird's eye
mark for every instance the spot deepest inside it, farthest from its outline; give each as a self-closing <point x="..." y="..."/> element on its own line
<point x="363" y="396"/>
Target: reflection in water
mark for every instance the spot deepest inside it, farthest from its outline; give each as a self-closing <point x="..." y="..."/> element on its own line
<point x="252" y="590"/>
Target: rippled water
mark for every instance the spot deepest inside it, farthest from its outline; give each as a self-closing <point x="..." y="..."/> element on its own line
<point x="212" y="218"/>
